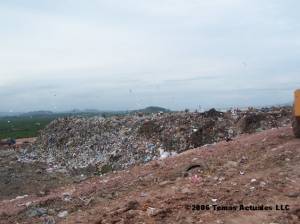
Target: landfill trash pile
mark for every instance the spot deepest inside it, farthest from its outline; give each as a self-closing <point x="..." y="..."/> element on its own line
<point x="119" y="142"/>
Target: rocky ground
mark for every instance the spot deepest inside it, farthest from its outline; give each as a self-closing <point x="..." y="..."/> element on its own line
<point x="258" y="169"/>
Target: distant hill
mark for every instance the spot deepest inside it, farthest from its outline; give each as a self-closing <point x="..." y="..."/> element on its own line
<point x="86" y="112"/>
<point x="37" y="113"/>
<point x="92" y="111"/>
<point x="152" y="109"/>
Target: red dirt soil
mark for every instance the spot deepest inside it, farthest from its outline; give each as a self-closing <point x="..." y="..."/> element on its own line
<point x="257" y="169"/>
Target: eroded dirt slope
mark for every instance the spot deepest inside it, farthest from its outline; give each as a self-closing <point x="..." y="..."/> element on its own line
<point x="257" y="169"/>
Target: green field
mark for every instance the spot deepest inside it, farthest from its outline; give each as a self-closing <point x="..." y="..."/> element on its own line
<point x="22" y="127"/>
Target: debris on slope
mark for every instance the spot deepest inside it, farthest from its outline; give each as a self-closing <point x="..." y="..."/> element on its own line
<point x="118" y="142"/>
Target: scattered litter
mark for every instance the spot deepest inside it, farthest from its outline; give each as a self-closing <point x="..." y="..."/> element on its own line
<point x="49" y="220"/>
<point x="34" y="212"/>
<point x="67" y="196"/>
<point x="150" y="211"/>
<point x="221" y="179"/>
<point x="63" y="214"/>
<point x="195" y="179"/>
<point x="19" y="197"/>
<point x="87" y="201"/>
<point x="144" y="194"/>
<point x="262" y="183"/>
<point x="214" y="200"/>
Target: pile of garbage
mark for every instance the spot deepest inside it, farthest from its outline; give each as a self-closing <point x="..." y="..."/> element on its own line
<point x="121" y="141"/>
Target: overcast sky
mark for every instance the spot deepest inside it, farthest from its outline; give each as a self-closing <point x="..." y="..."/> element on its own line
<point x="128" y="54"/>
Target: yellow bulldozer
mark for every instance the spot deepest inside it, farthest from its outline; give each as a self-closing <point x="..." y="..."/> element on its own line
<point x="296" y="114"/>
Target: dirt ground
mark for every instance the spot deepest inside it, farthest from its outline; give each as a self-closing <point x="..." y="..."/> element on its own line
<point x="261" y="170"/>
<point x="18" y="178"/>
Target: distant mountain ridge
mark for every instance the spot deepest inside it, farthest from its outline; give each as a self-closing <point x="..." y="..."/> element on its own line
<point x="92" y="112"/>
<point x="38" y="113"/>
<point x="152" y="109"/>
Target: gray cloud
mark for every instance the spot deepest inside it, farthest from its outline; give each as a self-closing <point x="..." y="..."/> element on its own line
<point x="114" y="54"/>
<point x="192" y="79"/>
